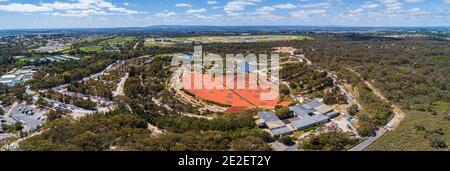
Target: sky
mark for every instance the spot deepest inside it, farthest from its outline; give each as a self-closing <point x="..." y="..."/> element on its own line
<point x="27" y="14"/>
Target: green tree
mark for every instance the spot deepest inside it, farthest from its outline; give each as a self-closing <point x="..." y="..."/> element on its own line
<point x="2" y="112"/>
<point x="287" y="140"/>
<point x="18" y="126"/>
<point x="353" y="109"/>
<point x="283" y="112"/>
<point x="436" y="141"/>
<point x="42" y="102"/>
<point x="334" y="140"/>
<point x="55" y="114"/>
<point x="366" y="128"/>
<point x="284" y="90"/>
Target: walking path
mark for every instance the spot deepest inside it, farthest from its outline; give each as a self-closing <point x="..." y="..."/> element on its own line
<point x="120" y="87"/>
<point x="395" y="121"/>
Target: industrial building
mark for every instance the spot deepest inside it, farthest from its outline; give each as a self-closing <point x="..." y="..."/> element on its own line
<point x="306" y="115"/>
<point x="18" y="76"/>
<point x="275" y="126"/>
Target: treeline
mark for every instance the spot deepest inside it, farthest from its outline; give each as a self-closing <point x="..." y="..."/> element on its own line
<point x="7" y="51"/>
<point x="100" y="132"/>
<point x="93" y="87"/>
<point x="76" y="101"/>
<point x="68" y="72"/>
<point x="405" y="70"/>
<point x="303" y="78"/>
<point x="242" y="140"/>
<point x="223" y="123"/>
<point x="8" y="95"/>
<point x="147" y="84"/>
<point x="333" y="140"/>
<point x="375" y="113"/>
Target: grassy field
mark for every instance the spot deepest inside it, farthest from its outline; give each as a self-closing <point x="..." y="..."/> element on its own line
<point x="89" y="49"/>
<point x="238" y="39"/>
<point x="117" y="41"/>
<point x="30" y="58"/>
<point x="441" y="58"/>
<point x="155" y="44"/>
<point x="410" y="137"/>
<point x="98" y="44"/>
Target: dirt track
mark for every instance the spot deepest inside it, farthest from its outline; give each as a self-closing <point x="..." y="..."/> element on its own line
<point x="399" y="115"/>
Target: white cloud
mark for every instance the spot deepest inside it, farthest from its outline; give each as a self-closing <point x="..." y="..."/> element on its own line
<point x="413" y="1"/>
<point x="285" y="6"/>
<point x="212" y="2"/>
<point x="232" y="8"/>
<point x="15" y="7"/>
<point x="239" y="5"/>
<point x="318" y="5"/>
<point x="266" y="10"/>
<point x="200" y="16"/>
<point x="307" y="13"/>
<point x="183" y="5"/>
<point x="80" y="8"/>
<point x="195" y="11"/>
<point x="369" y="5"/>
<point x="166" y="14"/>
<point x="413" y="10"/>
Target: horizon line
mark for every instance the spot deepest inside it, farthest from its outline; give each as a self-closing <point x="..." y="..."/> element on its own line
<point x="187" y="25"/>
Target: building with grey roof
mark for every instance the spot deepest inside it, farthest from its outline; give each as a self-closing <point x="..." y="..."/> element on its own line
<point x="300" y="111"/>
<point x="309" y="114"/>
<point x="310" y="122"/>
<point x="314" y="103"/>
<point x="276" y="126"/>
<point x="268" y="116"/>
<point x="280" y="131"/>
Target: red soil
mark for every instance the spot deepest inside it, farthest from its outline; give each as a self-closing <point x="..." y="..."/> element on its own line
<point x="215" y="89"/>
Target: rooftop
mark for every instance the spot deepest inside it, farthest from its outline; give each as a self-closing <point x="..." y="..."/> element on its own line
<point x="280" y="131"/>
<point x="310" y="121"/>
<point x="268" y="116"/>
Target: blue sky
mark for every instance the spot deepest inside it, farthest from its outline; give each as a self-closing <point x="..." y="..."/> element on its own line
<point x="140" y="13"/>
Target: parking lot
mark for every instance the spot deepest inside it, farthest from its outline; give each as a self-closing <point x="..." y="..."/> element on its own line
<point x="30" y="116"/>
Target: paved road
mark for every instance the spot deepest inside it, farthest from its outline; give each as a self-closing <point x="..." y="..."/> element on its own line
<point x="363" y="145"/>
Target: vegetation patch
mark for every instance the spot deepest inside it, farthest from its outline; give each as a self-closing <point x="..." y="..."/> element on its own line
<point x="441" y="58"/>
